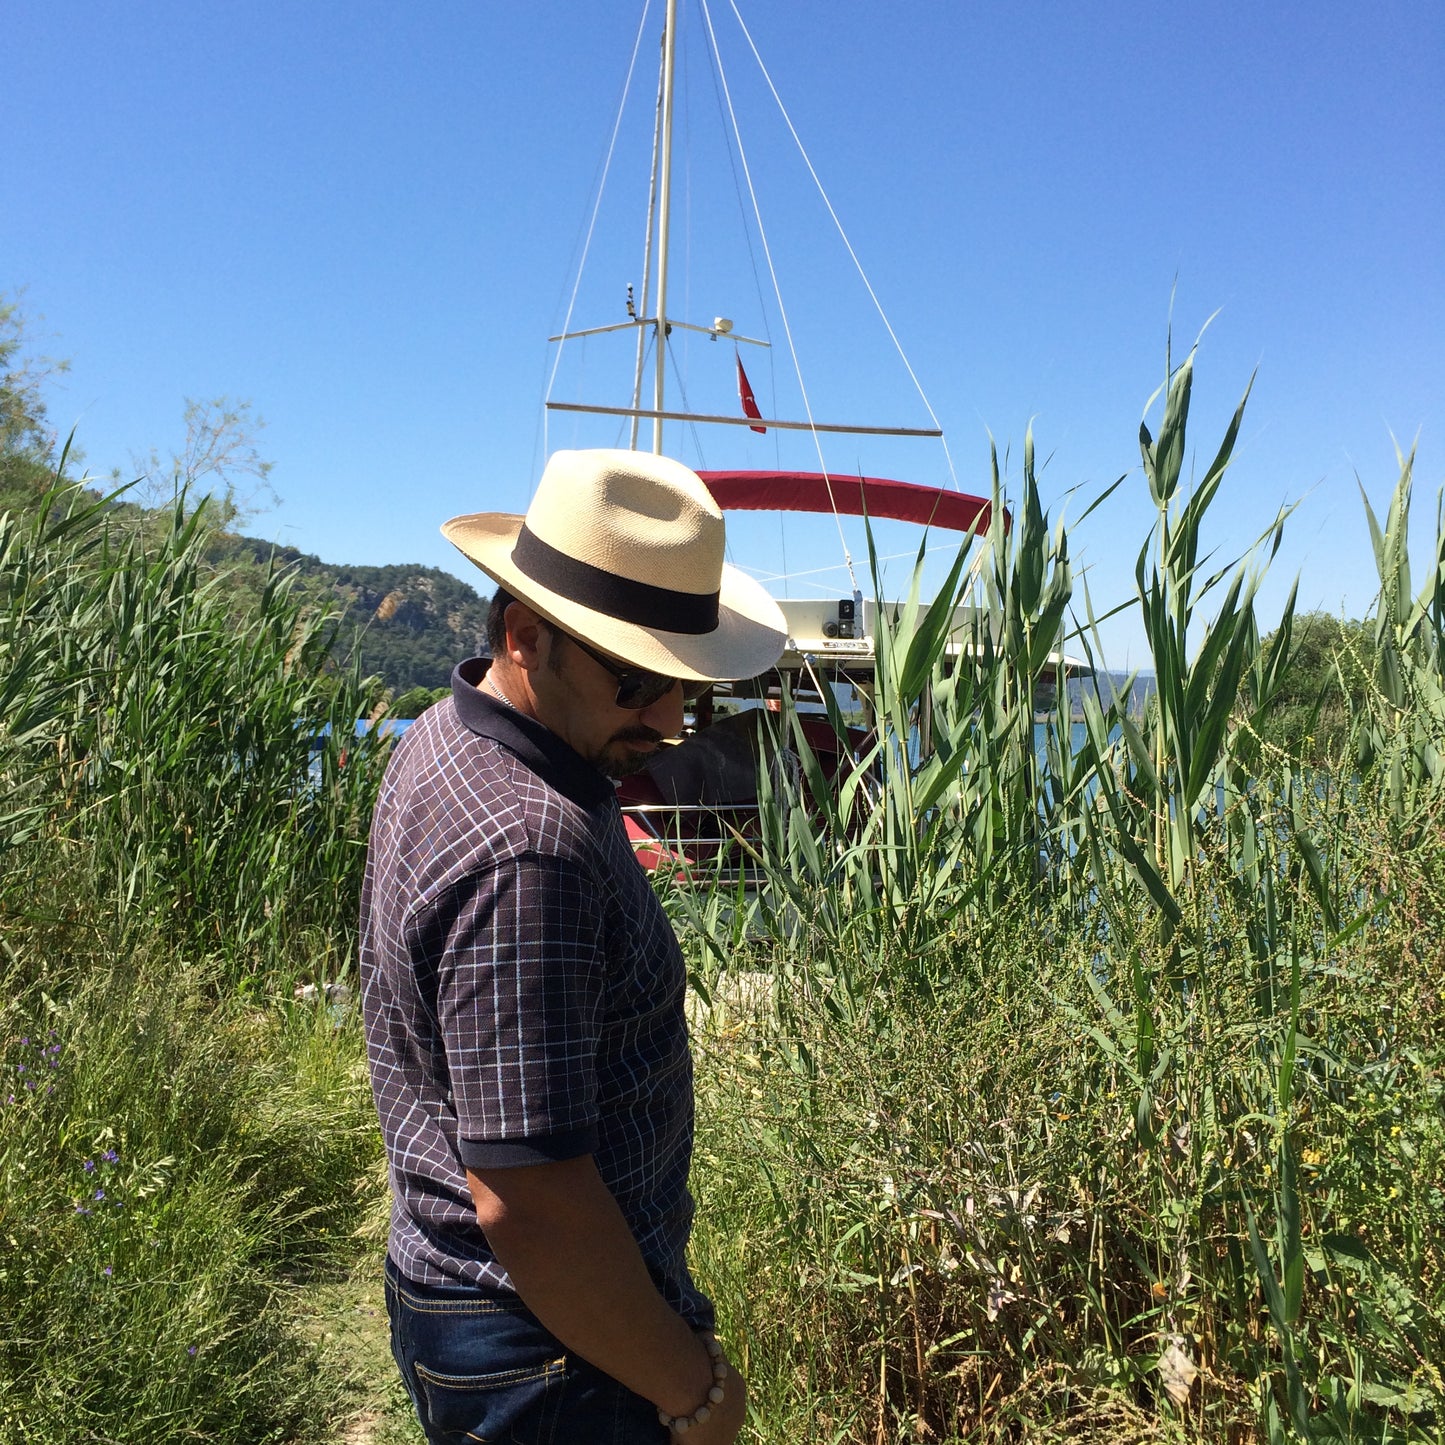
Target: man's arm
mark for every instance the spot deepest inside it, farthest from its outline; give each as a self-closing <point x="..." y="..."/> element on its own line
<point x="557" y="1231"/>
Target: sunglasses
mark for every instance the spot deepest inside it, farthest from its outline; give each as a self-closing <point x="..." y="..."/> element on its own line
<point x="637" y="688"/>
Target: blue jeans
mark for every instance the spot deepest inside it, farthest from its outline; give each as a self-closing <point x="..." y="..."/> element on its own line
<point x="483" y="1368"/>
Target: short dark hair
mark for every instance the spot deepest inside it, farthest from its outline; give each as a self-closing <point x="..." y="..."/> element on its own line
<point x="497" y="622"/>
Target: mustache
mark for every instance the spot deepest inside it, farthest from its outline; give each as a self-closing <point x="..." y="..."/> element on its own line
<point x="637" y="734"/>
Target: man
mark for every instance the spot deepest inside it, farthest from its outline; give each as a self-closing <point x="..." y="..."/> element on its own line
<point x="523" y="990"/>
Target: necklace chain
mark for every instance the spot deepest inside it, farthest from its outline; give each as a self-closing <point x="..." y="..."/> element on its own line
<point x="490" y="683"/>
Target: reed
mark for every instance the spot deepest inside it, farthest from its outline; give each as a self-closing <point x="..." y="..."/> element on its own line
<point x="1100" y="1097"/>
<point x="184" y="807"/>
<point x="201" y="755"/>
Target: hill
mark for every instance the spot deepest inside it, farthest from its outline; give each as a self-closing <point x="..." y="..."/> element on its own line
<point x="411" y="624"/>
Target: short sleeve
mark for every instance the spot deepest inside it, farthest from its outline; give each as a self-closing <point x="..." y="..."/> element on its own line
<point x="519" y="1004"/>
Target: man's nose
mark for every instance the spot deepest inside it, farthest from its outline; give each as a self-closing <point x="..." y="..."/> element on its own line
<point x="665" y="715"/>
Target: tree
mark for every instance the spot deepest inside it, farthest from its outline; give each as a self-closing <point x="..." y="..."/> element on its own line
<point x="1326" y="685"/>
<point x="415" y="701"/>
<point x="24" y="427"/>
<point x="219" y="459"/>
<point x="27" y="441"/>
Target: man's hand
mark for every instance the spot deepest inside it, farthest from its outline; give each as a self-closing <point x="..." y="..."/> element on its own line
<point x="557" y="1231"/>
<point x="722" y="1426"/>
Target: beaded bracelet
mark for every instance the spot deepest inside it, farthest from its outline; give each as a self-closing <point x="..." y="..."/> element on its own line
<point x="681" y="1424"/>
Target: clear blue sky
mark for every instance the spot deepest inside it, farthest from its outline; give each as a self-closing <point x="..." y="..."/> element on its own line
<point x="365" y="219"/>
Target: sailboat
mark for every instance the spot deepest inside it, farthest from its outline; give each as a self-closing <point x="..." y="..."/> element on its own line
<point x="697" y="794"/>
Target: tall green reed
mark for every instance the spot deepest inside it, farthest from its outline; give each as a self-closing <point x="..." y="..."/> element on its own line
<point x="1172" y="935"/>
<point x="184" y="805"/>
<point x="202" y="753"/>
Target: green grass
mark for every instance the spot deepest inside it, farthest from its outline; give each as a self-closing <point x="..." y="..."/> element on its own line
<point x="1095" y="1098"/>
<point x="1103" y="1099"/>
<point x="167" y="1191"/>
<point x="951" y="1223"/>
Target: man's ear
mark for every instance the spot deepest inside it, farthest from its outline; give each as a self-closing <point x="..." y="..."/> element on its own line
<point x="526" y="636"/>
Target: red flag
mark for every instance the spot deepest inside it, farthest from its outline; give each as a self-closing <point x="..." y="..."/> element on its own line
<point x="745" y="395"/>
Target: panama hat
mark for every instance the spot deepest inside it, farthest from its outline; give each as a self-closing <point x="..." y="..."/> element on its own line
<point x="625" y="550"/>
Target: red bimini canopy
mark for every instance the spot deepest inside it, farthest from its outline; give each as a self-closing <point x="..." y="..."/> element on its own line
<point x="854" y="496"/>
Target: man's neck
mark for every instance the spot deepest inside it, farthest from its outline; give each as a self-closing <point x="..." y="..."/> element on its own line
<point x="509" y="684"/>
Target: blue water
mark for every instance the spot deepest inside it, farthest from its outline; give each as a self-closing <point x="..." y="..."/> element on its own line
<point x="1077" y="733"/>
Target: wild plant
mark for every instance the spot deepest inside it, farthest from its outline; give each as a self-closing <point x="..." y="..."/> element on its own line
<point x="1050" y="1102"/>
<point x="185" y="801"/>
<point x="207" y="760"/>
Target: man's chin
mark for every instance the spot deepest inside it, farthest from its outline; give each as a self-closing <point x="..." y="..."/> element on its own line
<point x="623" y="757"/>
<point x="618" y="763"/>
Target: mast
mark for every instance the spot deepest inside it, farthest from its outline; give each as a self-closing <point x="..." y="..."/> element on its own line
<point x="649" y="232"/>
<point x="654" y="312"/>
<point x="664" y="218"/>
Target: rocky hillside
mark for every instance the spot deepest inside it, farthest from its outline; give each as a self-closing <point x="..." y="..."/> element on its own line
<point x="411" y="624"/>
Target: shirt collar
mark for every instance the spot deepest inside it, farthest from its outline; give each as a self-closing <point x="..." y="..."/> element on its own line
<point x="558" y="765"/>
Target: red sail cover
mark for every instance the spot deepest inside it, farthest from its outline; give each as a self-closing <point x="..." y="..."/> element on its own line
<point x="854" y="496"/>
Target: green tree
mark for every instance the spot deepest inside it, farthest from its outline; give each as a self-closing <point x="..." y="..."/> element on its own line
<point x="1323" y="688"/>
<point x="24" y="428"/>
<point x="219" y="458"/>
<point x="27" y="441"/>
<point x="415" y="701"/>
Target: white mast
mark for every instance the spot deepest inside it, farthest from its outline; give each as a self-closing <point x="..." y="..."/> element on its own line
<point x="664" y="216"/>
<point x="655" y="252"/>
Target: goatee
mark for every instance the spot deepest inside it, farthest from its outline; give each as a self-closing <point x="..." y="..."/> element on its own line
<point x="618" y="760"/>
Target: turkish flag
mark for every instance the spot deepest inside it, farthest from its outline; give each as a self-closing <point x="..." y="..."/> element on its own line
<point x="745" y="395"/>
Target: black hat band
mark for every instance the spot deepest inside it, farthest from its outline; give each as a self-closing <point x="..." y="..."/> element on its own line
<point x="639" y="603"/>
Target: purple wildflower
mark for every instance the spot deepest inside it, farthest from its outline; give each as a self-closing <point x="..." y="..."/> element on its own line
<point x="191" y="1350"/>
<point x="89" y="1166"/>
<point x="26" y="1040"/>
<point x="107" y="1271"/>
<point x="20" y="1068"/>
<point x="110" y="1156"/>
<point x="81" y="1209"/>
<point x="100" y="1193"/>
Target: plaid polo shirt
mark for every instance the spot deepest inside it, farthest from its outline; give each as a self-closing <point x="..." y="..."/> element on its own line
<point x="522" y="991"/>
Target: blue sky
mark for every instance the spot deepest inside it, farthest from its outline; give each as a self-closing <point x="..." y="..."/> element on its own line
<point x="366" y="218"/>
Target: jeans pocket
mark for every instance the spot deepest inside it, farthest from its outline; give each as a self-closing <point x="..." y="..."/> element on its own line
<point x="512" y="1405"/>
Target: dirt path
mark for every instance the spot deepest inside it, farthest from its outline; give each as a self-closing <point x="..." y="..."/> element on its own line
<point x="349" y="1320"/>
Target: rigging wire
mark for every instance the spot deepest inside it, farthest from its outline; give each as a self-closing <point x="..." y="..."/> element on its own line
<point x="682" y="392"/>
<point x="597" y="203"/>
<point x="738" y="194"/>
<point x="843" y="235"/>
<point x="758" y="291"/>
<point x="763" y="574"/>
<point x="773" y="275"/>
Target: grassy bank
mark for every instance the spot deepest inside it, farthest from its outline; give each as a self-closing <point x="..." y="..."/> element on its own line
<point x="184" y="1146"/>
<point x="1101" y="1096"/>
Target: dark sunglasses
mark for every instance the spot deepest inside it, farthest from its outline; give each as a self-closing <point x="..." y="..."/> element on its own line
<point x="637" y="688"/>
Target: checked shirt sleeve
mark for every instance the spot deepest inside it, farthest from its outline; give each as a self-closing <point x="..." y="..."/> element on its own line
<point x="519" y="1004"/>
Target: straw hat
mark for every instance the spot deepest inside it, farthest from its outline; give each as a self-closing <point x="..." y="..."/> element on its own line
<point x="625" y="549"/>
